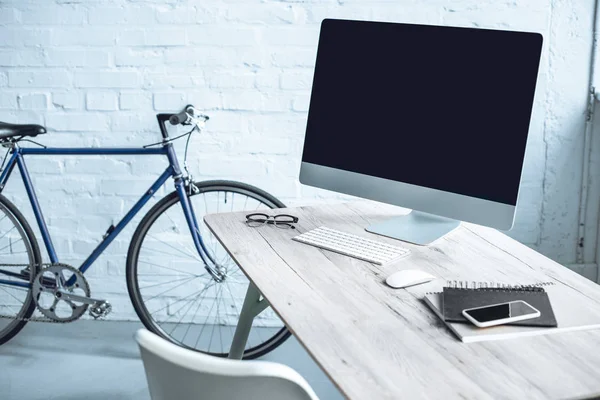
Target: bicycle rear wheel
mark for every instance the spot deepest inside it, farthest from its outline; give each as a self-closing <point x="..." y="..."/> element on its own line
<point x="172" y="293"/>
<point x="19" y="263"/>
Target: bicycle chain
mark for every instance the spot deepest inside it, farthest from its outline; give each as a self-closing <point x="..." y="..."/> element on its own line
<point x="33" y="319"/>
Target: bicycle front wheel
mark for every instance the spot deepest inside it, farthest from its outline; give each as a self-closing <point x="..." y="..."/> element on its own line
<point x="172" y="293"/>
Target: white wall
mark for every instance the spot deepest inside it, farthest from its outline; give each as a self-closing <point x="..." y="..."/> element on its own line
<point x="96" y="72"/>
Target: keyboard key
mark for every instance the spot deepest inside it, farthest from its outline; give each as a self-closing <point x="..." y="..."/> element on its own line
<point x="352" y="245"/>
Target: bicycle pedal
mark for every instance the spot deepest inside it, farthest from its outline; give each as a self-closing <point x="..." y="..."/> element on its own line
<point x="100" y="309"/>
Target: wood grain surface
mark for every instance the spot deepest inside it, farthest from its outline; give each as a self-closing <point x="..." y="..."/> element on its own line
<point x="375" y="342"/>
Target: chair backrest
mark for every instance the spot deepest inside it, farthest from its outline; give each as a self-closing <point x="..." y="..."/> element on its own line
<point x="177" y="373"/>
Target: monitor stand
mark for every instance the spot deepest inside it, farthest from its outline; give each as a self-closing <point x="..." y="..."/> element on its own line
<point x="415" y="227"/>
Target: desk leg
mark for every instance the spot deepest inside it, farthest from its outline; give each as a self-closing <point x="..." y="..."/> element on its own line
<point x="251" y="308"/>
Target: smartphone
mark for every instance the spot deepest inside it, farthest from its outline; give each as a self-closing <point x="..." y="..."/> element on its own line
<point x="499" y="314"/>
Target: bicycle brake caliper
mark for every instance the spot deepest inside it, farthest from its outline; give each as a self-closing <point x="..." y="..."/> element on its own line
<point x="192" y="188"/>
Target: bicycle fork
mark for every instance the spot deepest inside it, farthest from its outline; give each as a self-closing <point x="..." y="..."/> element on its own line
<point x="190" y="216"/>
<point x="210" y="265"/>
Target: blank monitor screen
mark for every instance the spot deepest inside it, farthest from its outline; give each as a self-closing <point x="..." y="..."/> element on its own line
<point x="440" y="107"/>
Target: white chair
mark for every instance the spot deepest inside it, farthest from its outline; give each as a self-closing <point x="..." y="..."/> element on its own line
<point x="175" y="373"/>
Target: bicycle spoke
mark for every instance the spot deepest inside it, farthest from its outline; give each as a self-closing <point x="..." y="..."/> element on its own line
<point x="237" y="312"/>
<point x="244" y="282"/>
<point x="179" y="309"/>
<point x="19" y="288"/>
<point x="13" y="252"/>
<point x="164" y="252"/>
<point x="181" y="319"/>
<point x="212" y="333"/>
<point x="239" y="275"/>
<point x="218" y="313"/>
<point x="225" y="322"/>
<point x="215" y="243"/>
<point x="171" y="219"/>
<point x="199" y="276"/>
<point x="170" y="304"/>
<point x="175" y="248"/>
<point x="171" y="269"/>
<point x="10" y="244"/>
<point x="195" y="313"/>
<point x="204" y="324"/>
<point x="192" y="251"/>
<point x="163" y="283"/>
<point x="237" y="272"/>
<point x="168" y="290"/>
<point x="6" y="233"/>
<point x="11" y="295"/>
<point x="225" y="257"/>
<point x="232" y="298"/>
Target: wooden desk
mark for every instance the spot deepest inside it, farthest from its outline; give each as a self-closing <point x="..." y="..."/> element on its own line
<point x="375" y="342"/>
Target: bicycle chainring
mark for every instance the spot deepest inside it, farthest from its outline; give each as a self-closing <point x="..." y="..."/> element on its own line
<point x="47" y="296"/>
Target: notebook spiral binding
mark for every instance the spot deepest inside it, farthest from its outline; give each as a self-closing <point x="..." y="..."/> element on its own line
<point x="473" y="285"/>
<point x="496" y="285"/>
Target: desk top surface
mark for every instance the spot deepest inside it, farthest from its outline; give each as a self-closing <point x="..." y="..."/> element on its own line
<point x="375" y="342"/>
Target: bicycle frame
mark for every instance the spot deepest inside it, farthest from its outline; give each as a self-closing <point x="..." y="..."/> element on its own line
<point x="173" y="170"/>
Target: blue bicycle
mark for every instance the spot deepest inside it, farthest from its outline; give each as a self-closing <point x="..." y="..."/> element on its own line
<point x="183" y="285"/>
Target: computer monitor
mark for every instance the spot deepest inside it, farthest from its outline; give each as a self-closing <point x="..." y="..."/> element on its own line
<point x="430" y="118"/>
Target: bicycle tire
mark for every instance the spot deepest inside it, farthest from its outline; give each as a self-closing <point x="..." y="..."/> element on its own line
<point x="35" y="261"/>
<point x="145" y="225"/>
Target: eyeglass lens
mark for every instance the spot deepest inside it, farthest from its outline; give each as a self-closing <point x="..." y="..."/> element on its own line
<point x="255" y="220"/>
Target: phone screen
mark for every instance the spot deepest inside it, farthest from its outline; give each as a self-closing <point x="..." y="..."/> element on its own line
<point x="501" y="311"/>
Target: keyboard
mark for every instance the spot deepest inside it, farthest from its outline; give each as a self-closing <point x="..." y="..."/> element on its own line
<point x="351" y="245"/>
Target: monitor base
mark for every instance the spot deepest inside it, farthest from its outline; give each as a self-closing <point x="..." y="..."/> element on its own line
<point x="415" y="227"/>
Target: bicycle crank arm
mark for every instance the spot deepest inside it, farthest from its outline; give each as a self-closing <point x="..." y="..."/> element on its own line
<point x="74" y="297"/>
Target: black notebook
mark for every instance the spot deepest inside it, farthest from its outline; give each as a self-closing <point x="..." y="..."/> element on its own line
<point x="457" y="299"/>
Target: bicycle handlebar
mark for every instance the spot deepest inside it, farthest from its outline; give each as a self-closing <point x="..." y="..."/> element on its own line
<point x="188" y="116"/>
<point x="180" y="118"/>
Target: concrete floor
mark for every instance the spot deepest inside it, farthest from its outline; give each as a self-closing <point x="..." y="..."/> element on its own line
<point x="100" y="361"/>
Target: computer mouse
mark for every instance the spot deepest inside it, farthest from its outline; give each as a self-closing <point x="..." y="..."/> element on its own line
<point x="408" y="277"/>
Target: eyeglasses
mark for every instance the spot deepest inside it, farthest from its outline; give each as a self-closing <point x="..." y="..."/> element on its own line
<point x="282" y="221"/>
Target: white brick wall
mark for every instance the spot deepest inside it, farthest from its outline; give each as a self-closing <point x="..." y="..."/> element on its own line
<point x="97" y="72"/>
